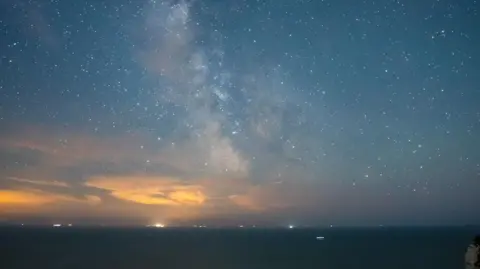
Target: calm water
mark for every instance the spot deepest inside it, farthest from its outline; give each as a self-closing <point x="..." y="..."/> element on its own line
<point x="231" y="249"/>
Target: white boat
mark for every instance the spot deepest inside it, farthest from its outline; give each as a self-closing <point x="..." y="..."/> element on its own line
<point x="320" y="237"/>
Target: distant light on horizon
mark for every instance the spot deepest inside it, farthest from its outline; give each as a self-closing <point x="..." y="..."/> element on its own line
<point x="291" y="226"/>
<point x="159" y="225"/>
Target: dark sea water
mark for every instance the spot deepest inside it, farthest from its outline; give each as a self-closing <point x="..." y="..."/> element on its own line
<point x="90" y="248"/>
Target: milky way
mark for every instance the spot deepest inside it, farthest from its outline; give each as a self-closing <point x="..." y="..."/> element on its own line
<point x="228" y="112"/>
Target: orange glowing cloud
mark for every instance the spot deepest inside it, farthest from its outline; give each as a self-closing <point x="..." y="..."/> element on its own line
<point x="36" y="198"/>
<point x="12" y="197"/>
<point x="222" y="186"/>
<point x="92" y="199"/>
<point x="150" y="190"/>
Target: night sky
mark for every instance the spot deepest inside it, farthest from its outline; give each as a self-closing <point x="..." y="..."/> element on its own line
<point x="246" y="112"/>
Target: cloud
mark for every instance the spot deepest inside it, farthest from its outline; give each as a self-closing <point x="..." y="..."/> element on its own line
<point x="93" y="199"/>
<point x="177" y="199"/>
<point x="150" y="190"/>
<point x="17" y="197"/>
<point x="40" y="182"/>
<point x="214" y="179"/>
<point x="36" y="198"/>
<point x="217" y="174"/>
<point x="216" y="194"/>
<point x="246" y="202"/>
<point x="209" y="153"/>
<point x="271" y="196"/>
<point x="63" y="147"/>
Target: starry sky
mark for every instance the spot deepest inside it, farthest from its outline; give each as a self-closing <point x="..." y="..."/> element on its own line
<point x="247" y="112"/>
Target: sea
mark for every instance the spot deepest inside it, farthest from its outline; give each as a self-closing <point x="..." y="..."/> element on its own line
<point x="256" y="248"/>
